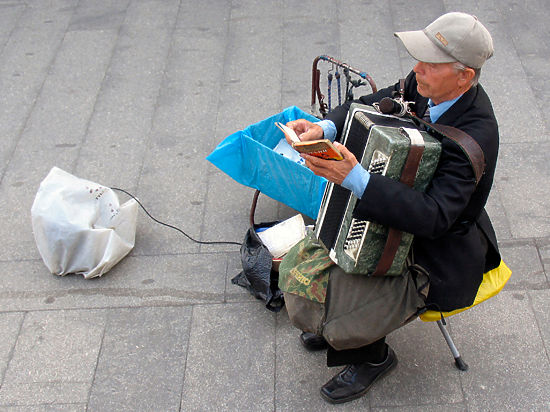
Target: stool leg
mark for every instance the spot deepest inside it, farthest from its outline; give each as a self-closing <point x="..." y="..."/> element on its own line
<point x="460" y="364"/>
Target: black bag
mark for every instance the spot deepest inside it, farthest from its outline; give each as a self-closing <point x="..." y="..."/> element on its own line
<point x="258" y="275"/>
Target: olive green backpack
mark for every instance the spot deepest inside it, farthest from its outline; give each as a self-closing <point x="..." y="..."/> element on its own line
<point x="349" y="310"/>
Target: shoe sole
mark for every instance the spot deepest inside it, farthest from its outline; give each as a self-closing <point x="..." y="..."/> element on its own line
<point x="364" y="391"/>
<point x="314" y="347"/>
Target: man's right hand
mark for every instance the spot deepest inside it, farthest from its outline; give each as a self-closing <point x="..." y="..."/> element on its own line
<point x="305" y="130"/>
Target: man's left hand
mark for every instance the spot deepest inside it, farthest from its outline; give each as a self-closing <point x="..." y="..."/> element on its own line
<point x="333" y="170"/>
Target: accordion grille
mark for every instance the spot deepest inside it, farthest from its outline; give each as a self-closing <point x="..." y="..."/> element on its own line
<point x="354" y="239"/>
<point x="358" y="228"/>
<point x="378" y="163"/>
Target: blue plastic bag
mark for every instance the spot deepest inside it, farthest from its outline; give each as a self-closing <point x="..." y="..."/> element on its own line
<point x="247" y="157"/>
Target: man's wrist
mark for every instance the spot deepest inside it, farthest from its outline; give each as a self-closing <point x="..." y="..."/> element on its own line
<point x="329" y="129"/>
<point x="357" y="180"/>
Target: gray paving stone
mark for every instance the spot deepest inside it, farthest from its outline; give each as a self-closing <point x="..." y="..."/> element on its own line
<point x="142" y="360"/>
<point x="424" y="362"/>
<point x="8" y="19"/>
<point x="426" y="408"/>
<point x="497" y="212"/>
<point x="300" y="374"/>
<point x="524" y="175"/>
<point x="527" y="270"/>
<point x="236" y="198"/>
<point x="368" y="43"/>
<point x="544" y="250"/>
<point x="541" y="308"/>
<point x="230" y="361"/>
<point x="67" y="98"/>
<point x="99" y="15"/>
<point x="304" y="37"/>
<point x="530" y="50"/>
<point x="38" y="13"/>
<point x="119" y="130"/>
<point x="249" y="75"/>
<point x="135" y="281"/>
<point x="516" y="108"/>
<point x="77" y="407"/>
<point x="36" y="394"/>
<point x="25" y="60"/>
<point x="177" y="205"/>
<point x="57" y="346"/>
<point x="501" y="343"/>
<point x="10" y="324"/>
<point x="207" y="19"/>
<point x="135" y="94"/>
<point x="54" y="131"/>
<point x="513" y="109"/>
<point x="54" y="358"/>
<point x="183" y="131"/>
<point x="178" y="113"/>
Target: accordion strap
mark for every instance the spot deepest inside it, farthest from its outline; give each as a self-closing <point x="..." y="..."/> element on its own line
<point x="473" y="152"/>
<point x="408" y="176"/>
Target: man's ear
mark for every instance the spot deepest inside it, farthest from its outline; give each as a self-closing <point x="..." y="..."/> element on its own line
<point x="466" y="76"/>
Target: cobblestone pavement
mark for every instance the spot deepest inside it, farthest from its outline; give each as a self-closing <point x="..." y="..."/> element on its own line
<point x="135" y="94"/>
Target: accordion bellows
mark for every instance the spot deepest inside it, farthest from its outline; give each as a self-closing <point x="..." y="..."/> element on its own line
<point x="381" y="144"/>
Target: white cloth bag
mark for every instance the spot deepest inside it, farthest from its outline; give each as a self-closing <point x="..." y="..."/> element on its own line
<point x="79" y="226"/>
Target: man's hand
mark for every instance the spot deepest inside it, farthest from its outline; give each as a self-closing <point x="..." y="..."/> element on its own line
<point x="305" y="130"/>
<point x="333" y="170"/>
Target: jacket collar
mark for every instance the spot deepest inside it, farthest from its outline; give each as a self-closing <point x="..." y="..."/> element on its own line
<point x="461" y="105"/>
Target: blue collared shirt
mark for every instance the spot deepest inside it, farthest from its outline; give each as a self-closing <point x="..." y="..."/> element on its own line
<point x="358" y="178"/>
<point x="437" y="110"/>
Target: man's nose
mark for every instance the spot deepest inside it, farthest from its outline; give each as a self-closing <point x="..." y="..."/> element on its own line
<point x="419" y="67"/>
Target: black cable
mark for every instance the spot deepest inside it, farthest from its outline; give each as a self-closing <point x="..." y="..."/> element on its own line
<point x="174" y="227"/>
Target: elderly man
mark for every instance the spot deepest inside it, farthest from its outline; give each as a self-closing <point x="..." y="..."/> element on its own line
<point x="454" y="239"/>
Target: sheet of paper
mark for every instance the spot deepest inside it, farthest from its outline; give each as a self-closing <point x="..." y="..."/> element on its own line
<point x="286" y="150"/>
<point x="280" y="238"/>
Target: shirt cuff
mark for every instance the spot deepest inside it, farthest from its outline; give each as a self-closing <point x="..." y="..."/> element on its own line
<point x="329" y="129"/>
<point x="357" y="180"/>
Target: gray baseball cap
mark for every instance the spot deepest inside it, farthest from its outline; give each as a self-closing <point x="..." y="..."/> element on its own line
<point x="453" y="37"/>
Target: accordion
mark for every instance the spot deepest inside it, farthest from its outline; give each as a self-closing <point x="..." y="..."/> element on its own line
<point x="386" y="145"/>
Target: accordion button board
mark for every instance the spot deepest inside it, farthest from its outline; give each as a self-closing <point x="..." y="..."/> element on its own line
<point x="381" y="143"/>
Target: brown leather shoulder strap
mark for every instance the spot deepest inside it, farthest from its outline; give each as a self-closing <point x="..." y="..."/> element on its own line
<point x="467" y="143"/>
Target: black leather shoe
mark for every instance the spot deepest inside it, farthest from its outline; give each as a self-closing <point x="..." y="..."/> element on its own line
<point x="313" y="342"/>
<point x="355" y="380"/>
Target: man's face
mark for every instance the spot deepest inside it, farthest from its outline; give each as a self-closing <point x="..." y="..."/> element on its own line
<point x="438" y="81"/>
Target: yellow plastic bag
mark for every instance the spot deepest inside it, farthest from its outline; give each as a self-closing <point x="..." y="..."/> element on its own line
<point x="492" y="283"/>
